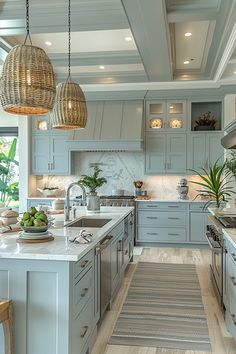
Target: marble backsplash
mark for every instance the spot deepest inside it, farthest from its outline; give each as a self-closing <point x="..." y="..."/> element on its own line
<point x="121" y="169"/>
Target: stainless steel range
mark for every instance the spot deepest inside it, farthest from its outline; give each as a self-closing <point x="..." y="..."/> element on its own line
<point x="214" y="236"/>
<point x="115" y="200"/>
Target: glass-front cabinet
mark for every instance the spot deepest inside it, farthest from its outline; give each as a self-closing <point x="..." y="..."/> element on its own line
<point x="169" y="115"/>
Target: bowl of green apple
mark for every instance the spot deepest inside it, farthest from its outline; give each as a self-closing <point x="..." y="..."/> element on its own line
<point x="35" y="221"/>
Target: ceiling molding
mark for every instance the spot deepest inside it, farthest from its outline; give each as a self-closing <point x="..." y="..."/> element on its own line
<point x="229" y="49"/>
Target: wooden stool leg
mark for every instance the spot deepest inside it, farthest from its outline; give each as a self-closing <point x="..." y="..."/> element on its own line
<point x="11" y="328"/>
<point x="7" y="324"/>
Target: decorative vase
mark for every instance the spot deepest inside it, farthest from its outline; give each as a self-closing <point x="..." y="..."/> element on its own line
<point x="93" y="202"/>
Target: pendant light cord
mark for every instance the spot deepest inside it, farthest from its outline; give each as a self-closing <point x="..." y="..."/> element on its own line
<point x="27" y="23"/>
<point x="69" y="42"/>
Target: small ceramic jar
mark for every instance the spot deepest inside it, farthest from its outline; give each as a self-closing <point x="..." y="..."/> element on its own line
<point x="9" y="217"/>
<point x="58" y="204"/>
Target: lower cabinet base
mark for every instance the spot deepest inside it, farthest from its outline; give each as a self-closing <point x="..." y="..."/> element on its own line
<point x="230" y="324"/>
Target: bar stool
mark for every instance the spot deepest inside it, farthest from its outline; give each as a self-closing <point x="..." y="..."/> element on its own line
<point x="6" y="319"/>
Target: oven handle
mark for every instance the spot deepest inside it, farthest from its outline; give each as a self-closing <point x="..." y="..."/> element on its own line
<point x="214" y="249"/>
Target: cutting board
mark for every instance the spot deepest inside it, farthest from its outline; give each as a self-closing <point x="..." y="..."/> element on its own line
<point x="46" y="239"/>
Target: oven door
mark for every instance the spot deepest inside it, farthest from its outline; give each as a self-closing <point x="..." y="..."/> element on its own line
<point x="216" y="265"/>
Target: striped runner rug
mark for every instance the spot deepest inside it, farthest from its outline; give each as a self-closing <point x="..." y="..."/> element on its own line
<point x="164" y="309"/>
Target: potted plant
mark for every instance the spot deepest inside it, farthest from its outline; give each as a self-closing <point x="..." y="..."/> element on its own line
<point x="205" y="122"/>
<point x="92" y="182"/>
<point x="216" y="184"/>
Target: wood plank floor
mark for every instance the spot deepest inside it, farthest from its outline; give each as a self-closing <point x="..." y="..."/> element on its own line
<point x="221" y="341"/>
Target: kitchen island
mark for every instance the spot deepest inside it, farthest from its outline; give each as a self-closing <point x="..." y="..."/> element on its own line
<point x="54" y="285"/>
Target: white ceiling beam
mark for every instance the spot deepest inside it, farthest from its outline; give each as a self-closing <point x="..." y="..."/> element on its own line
<point x="150" y="30"/>
<point x="97" y="58"/>
<point x="189" y="16"/>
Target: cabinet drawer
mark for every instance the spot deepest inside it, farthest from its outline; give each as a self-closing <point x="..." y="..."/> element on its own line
<point x="198" y="206"/>
<point x="82" y="291"/>
<point x="120" y="228"/>
<point x="82" y="328"/>
<point x="149" y="234"/>
<point x="83" y="264"/>
<point x="155" y="218"/>
<point x="161" y="206"/>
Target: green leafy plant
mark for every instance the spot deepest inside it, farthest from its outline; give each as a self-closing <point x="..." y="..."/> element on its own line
<point x="92" y="181"/>
<point x="206" y="119"/>
<point x="9" y="189"/>
<point x="216" y="183"/>
<point x="230" y="163"/>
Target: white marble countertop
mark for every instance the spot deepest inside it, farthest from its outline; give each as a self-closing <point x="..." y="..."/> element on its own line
<point x="60" y="248"/>
<point x="230" y="234"/>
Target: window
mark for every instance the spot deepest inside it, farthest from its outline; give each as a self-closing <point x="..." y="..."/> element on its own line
<point x="9" y="166"/>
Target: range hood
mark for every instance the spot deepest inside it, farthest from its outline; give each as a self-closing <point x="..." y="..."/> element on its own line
<point x="229" y="140"/>
<point x="111" y="126"/>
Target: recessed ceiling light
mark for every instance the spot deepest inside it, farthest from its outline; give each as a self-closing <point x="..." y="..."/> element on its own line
<point x="235" y="72"/>
<point x="101" y="67"/>
<point x="48" y="43"/>
<point x="188" y="34"/>
<point x="171" y="107"/>
<point x="128" y="38"/>
<point x="186" y="62"/>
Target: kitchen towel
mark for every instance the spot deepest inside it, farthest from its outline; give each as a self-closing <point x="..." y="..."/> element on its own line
<point x="163" y="309"/>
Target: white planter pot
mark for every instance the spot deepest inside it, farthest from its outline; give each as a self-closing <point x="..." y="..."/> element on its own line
<point x="93" y="202"/>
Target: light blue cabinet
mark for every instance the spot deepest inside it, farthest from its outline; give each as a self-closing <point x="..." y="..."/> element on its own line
<point x="167" y="115"/>
<point x="165" y="153"/>
<point x="198" y="222"/>
<point x="36" y="202"/>
<point x="171" y="222"/>
<point x="50" y="154"/>
<point x="52" y="302"/>
<point x="117" y="257"/>
<point x="204" y="149"/>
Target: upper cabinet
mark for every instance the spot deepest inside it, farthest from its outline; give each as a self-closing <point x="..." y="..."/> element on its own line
<point x="168" y="115"/>
<point x="109" y="125"/>
<point x="206" y="116"/>
<point x="165" y="153"/>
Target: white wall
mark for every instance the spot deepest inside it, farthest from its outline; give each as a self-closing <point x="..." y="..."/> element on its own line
<point x="8" y="120"/>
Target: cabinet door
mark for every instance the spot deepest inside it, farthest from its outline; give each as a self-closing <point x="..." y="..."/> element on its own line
<point x="40" y="154"/>
<point x="176" y="115"/>
<point x="197" y="151"/>
<point x="59" y="155"/>
<point x="176" y="153"/>
<point x="114" y="265"/>
<point x="155" y="115"/>
<point x="214" y="149"/>
<point x="155" y="161"/>
<point x="97" y="287"/>
<point x="198" y="222"/>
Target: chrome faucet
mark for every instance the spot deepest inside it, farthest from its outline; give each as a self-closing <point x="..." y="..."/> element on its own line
<point x="67" y="206"/>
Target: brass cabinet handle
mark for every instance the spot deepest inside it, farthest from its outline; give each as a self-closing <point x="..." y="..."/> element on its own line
<point x="171" y="218"/>
<point x="83" y="292"/>
<point x="233" y="318"/>
<point x="48" y="166"/>
<point x="170" y="234"/>
<point x="152" y="233"/>
<point x="152" y="217"/>
<point x="82" y="335"/>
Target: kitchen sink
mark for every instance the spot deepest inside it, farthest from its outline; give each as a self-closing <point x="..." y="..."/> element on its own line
<point x="87" y="222"/>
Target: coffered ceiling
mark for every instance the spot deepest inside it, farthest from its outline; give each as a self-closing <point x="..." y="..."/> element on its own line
<point x="140" y="43"/>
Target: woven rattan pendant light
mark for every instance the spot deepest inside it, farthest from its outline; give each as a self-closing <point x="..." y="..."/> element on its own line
<point x="70" y="110"/>
<point x="27" y="85"/>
